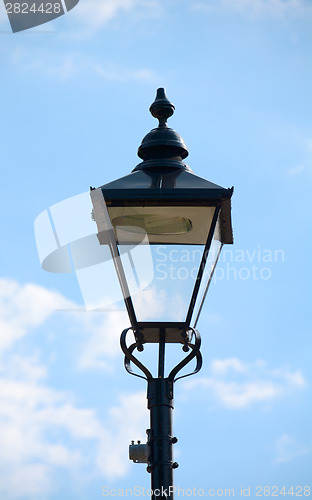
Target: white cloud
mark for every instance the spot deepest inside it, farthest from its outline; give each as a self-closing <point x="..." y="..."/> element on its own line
<point x="257" y="8"/>
<point x="297" y="170"/>
<point x="22" y="308"/>
<point x="288" y="448"/>
<point x="26" y="416"/>
<point x="100" y="333"/>
<point x="127" y="422"/>
<point x="223" y="366"/>
<point x="94" y="14"/>
<point x="68" y="65"/>
<point x="42" y="428"/>
<point x="22" y="367"/>
<point x="235" y="384"/>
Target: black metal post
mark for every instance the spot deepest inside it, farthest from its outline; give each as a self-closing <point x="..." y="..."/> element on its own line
<point x="160" y="404"/>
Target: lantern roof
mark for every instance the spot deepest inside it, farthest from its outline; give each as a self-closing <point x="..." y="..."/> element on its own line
<point x="162" y="178"/>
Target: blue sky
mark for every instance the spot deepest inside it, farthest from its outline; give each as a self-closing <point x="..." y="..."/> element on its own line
<point x="74" y="108"/>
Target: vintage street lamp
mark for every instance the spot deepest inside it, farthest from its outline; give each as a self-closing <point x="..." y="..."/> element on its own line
<point x="174" y="217"/>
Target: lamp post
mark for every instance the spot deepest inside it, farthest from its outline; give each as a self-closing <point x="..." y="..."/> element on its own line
<point x="164" y="207"/>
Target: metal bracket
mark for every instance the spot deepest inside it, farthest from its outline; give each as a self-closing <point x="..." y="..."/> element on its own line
<point x="195" y="352"/>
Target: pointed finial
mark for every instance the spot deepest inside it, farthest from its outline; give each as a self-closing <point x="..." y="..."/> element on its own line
<point x="162" y="147"/>
<point x="162" y="108"/>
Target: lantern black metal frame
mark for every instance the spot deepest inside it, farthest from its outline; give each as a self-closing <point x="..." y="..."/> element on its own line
<point x="162" y="180"/>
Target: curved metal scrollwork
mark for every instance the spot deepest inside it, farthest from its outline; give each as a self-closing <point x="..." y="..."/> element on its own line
<point x="195" y="353"/>
<point x="129" y="357"/>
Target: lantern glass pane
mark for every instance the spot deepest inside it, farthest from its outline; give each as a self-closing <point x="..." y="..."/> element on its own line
<point x="168" y="245"/>
<point x="161" y="279"/>
<point x="207" y="279"/>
